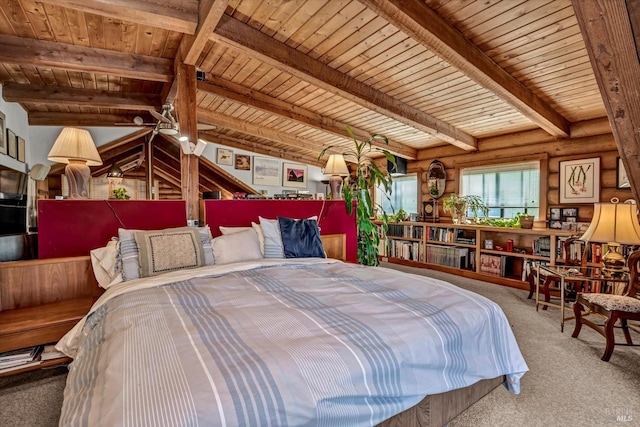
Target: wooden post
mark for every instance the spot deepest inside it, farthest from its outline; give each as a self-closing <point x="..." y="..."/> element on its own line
<point x="608" y="36"/>
<point x="186" y="116"/>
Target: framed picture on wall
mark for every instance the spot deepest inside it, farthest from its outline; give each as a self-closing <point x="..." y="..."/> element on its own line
<point x="580" y="181"/>
<point x="225" y="157"/>
<point x="11" y="144"/>
<point x="622" y="180"/>
<point x="243" y="162"/>
<point x="3" y="133"/>
<point x="21" y="149"/>
<point x="294" y="175"/>
<point x="266" y="171"/>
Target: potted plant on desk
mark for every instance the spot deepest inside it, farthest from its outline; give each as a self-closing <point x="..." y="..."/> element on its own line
<point x="459" y="206"/>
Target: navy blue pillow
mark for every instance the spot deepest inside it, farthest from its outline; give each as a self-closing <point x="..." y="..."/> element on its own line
<point x="300" y="238"/>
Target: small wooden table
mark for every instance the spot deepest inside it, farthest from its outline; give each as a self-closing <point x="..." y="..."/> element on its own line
<point x="592" y="276"/>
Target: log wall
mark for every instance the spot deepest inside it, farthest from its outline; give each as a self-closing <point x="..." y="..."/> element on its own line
<point x="588" y="139"/>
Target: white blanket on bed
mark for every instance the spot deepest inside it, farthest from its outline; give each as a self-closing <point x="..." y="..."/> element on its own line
<point x="280" y="342"/>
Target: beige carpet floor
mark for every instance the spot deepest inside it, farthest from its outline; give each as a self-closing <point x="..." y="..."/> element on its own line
<point x="567" y="384"/>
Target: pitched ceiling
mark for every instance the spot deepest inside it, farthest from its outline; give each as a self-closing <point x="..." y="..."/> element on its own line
<point x="284" y="77"/>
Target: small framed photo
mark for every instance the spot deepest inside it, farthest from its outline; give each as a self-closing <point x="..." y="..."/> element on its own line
<point x="555" y="224"/>
<point x="21" y="149"/>
<point x="570" y="219"/>
<point x="11" y="144"/>
<point x="243" y="162"/>
<point x="555" y="214"/>
<point x="622" y="180"/>
<point x="488" y="244"/>
<point x="225" y="157"/>
<point x="572" y="212"/>
<point x="3" y="137"/>
<point x="294" y="175"/>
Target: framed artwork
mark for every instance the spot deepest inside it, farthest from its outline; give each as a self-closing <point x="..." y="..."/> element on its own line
<point x="21" y="149"/>
<point x="3" y="133"/>
<point x="225" y="157"/>
<point x="294" y="175"/>
<point x="580" y="181"/>
<point x="266" y="171"/>
<point x="622" y="180"/>
<point x="555" y="224"/>
<point x="11" y="144"/>
<point x="243" y="162"/>
<point x="555" y="214"/>
<point x="570" y="212"/>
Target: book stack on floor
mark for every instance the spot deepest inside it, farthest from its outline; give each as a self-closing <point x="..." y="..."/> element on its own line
<point x="19" y="359"/>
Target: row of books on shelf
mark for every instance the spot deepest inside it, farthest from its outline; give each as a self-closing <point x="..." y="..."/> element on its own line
<point x="452" y="235"/>
<point x="451" y="256"/>
<point x="412" y="251"/>
<point x="592" y="250"/>
<point x="26" y="357"/>
<point x="542" y="246"/>
<point x="406" y="231"/>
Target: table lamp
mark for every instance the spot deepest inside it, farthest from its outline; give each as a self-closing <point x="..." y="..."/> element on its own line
<point x="75" y="147"/>
<point x="337" y="168"/>
<point x="615" y="224"/>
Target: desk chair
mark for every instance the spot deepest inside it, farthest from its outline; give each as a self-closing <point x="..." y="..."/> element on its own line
<point x="612" y="307"/>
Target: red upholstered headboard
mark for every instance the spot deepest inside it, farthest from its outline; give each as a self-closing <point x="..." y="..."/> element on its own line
<point x="73" y="227"/>
<point x="332" y="216"/>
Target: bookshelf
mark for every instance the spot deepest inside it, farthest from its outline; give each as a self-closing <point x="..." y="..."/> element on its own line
<point x="494" y="254"/>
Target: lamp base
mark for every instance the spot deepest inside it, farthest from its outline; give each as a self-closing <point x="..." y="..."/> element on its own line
<point x="335" y="183"/>
<point x="613" y="262"/>
<point x="78" y="176"/>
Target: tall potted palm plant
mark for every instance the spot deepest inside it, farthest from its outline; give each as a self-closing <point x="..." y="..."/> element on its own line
<point x="367" y="177"/>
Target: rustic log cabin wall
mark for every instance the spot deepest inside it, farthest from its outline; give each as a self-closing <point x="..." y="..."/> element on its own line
<point x="588" y="139"/>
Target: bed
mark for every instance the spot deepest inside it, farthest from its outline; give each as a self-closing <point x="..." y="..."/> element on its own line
<point x="229" y="345"/>
<point x="282" y="341"/>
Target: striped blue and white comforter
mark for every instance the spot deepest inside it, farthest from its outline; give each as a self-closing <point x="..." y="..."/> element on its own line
<point x="276" y="343"/>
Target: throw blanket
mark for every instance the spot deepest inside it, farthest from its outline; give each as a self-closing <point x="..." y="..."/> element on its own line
<point x="307" y="342"/>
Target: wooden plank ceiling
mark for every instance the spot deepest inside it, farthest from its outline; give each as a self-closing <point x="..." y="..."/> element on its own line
<point x="284" y="77"/>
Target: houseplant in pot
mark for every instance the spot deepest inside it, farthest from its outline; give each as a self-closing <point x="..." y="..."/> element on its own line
<point x="459" y="206"/>
<point x="358" y="188"/>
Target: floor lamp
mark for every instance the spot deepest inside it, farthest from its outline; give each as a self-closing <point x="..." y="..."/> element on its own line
<point x="75" y="147"/>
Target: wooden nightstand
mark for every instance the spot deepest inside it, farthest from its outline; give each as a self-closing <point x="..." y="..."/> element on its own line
<point x="41" y="300"/>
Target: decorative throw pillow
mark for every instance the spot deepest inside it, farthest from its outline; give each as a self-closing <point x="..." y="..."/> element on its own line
<point x="301" y="238"/>
<point x="236" y="247"/>
<point x="272" y="239"/>
<point x="128" y="263"/>
<point x="168" y="250"/>
<point x="258" y="229"/>
<point x="231" y="230"/>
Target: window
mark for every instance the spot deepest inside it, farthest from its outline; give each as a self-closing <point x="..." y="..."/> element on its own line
<point x="506" y="189"/>
<point x="404" y="195"/>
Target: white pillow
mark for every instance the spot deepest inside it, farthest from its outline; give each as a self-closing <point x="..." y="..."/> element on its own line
<point x="231" y="230"/>
<point x="103" y="261"/>
<point x="258" y="230"/>
<point x="236" y="247"/>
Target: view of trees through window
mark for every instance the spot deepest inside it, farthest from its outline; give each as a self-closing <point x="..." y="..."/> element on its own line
<point x="507" y="189"/>
<point x="404" y="195"/>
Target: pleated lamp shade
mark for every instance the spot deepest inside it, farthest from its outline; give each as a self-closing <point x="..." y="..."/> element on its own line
<point x="75" y="144"/>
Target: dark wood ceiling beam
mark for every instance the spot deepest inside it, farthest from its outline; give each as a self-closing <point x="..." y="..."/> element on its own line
<point x="38" y="53"/>
<point x="423" y="24"/>
<point x="181" y="16"/>
<point x="56" y="95"/>
<point x="238" y="93"/>
<point x="239" y="125"/>
<point x="255" y="147"/>
<point x="210" y="12"/>
<point x="609" y="39"/>
<point x="46" y="118"/>
<point x="237" y="35"/>
<point x="121" y="159"/>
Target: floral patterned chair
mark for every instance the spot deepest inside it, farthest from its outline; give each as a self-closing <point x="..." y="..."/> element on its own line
<point x="612" y="307"/>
